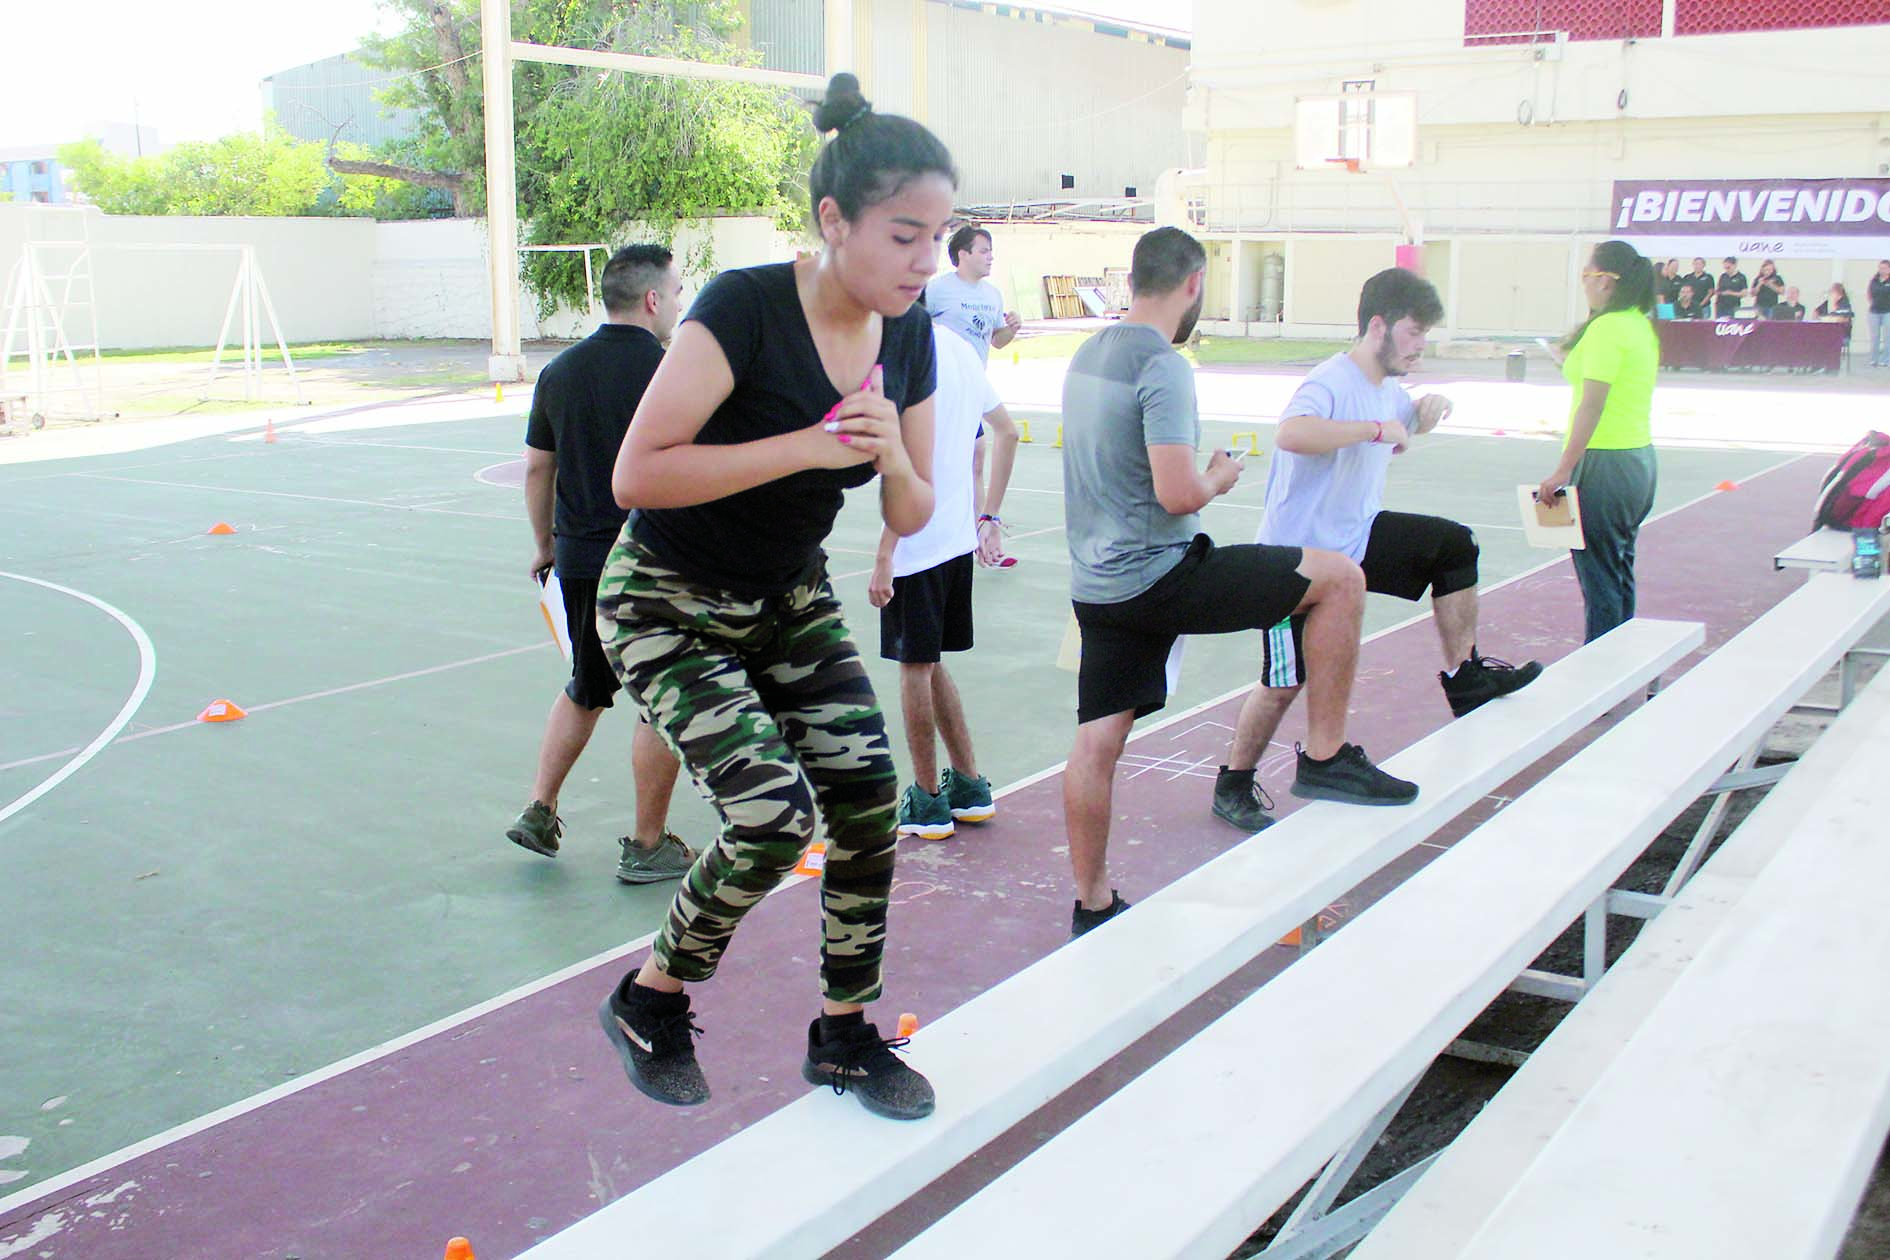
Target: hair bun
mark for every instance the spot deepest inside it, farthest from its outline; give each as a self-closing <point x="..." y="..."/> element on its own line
<point x="843" y="105"/>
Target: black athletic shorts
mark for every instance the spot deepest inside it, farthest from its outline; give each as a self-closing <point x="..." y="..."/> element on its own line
<point x="593" y="683"/>
<point x="1405" y="556"/>
<point x="929" y="613"/>
<point x="1214" y="590"/>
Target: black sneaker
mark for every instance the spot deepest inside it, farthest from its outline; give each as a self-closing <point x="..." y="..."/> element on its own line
<point x="1082" y="920"/>
<point x="857" y="1060"/>
<point x="1239" y="800"/>
<point x="654" y="1035"/>
<point x="1482" y="679"/>
<point x="1350" y="778"/>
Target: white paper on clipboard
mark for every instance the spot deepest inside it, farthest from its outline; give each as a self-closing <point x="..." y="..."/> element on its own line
<point x="1557" y="526"/>
<point x="551" y="604"/>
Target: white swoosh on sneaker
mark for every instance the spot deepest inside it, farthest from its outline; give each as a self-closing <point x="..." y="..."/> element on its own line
<point x="635" y="1040"/>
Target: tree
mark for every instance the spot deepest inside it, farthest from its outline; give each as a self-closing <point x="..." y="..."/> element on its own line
<point x="266" y="173"/>
<point x="598" y="154"/>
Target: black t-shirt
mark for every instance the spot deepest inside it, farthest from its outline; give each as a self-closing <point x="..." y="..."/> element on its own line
<point x="1702" y="286"/>
<point x="1725" y="306"/>
<point x="1879" y="296"/>
<point x="580" y="408"/>
<point x="766" y="540"/>
<point x="1765" y="295"/>
<point x="1668" y="288"/>
<point x="1786" y="310"/>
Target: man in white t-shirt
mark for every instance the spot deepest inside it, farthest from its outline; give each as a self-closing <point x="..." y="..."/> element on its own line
<point x="922" y="587"/>
<point x="1325" y="489"/>
<point x="964" y="299"/>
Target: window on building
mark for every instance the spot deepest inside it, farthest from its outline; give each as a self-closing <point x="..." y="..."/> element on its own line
<point x="1069" y="181"/>
<point x="39" y="168"/>
<point x="1488" y="22"/>
<point x="1708" y="17"/>
<point x="41" y="196"/>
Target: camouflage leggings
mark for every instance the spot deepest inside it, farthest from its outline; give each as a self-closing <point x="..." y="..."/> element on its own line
<point x="769" y="707"/>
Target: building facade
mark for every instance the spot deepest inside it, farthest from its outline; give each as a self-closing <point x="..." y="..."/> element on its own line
<point x="1519" y="115"/>
<point x="32" y="175"/>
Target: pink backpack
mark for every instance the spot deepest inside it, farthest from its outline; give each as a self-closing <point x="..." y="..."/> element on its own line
<point x="1856" y="492"/>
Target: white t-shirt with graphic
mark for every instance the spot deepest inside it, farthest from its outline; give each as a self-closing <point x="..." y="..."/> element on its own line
<point x="963" y="399"/>
<point x="974" y="309"/>
<point x="1329" y="501"/>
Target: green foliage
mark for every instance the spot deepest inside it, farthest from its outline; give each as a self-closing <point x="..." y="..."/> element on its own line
<point x="271" y="173"/>
<point x="602" y="156"/>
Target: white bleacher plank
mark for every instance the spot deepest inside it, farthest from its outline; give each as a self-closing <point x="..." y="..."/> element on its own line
<point x="1823" y="551"/>
<point x="1008" y="1051"/>
<point x="1440" y="1214"/>
<point x="1222" y="1132"/>
<point x="1745" y="1115"/>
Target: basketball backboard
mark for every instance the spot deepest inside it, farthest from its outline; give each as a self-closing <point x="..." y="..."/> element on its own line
<point x="1357" y="130"/>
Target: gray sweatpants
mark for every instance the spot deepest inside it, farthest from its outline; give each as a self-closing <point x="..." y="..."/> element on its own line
<point x="1617" y="493"/>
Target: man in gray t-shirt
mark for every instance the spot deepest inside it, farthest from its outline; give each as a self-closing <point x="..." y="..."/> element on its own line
<point x="1337" y="437"/>
<point x="1142" y="574"/>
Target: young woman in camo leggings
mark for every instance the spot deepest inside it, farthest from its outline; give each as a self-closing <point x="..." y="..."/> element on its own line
<point x="784" y="386"/>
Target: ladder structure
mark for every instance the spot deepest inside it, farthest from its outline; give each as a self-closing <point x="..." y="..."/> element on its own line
<point x="52" y="319"/>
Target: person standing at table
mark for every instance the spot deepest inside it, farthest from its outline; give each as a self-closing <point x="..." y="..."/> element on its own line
<point x="1878" y="317"/>
<point x="1767" y="286"/>
<point x="1730" y="291"/>
<point x="1611" y="363"/>
<point x="1702" y="286"/>
<point x="1670" y="283"/>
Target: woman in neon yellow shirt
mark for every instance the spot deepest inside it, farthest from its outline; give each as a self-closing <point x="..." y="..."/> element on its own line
<point x="1611" y="363"/>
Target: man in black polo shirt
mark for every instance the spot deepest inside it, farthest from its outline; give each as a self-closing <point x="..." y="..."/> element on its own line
<point x="1701" y="284"/>
<point x="1730" y="291"/>
<point x="580" y="408"/>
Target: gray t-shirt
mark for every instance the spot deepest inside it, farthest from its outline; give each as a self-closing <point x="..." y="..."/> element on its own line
<point x="1127" y="390"/>
<point x="1329" y="500"/>
<point x="974" y="309"/>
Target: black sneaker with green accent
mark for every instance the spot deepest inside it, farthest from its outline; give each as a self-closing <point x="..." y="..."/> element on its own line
<point x="969" y="795"/>
<point x="670" y="859"/>
<point x="1082" y="920"/>
<point x="854" y="1059"/>
<point x="537" y="829"/>
<point x="1482" y="679"/>
<point x="1240" y="800"/>
<point x="1350" y="778"/>
<point x="654" y="1034"/>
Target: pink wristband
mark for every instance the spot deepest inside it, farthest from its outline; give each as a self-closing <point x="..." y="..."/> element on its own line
<point x="1379" y="435"/>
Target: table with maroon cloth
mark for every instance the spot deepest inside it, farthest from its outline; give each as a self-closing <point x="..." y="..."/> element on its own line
<point x="1743" y="343"/>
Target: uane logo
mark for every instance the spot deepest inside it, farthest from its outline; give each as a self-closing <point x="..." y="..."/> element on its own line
<point x="1732" y="330"/>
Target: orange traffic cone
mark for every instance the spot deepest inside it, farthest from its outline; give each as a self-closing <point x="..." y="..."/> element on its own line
<point x="222" y="711"/>
<point x="458" y="1249"/>
<point x="221" y="528"/>
<point x="814" y="861"/>
<point x="1727" y="485"/>
<point x="269" y="429"/>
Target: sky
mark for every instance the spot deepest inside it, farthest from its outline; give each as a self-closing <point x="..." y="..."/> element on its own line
<point x="192" y="69"/>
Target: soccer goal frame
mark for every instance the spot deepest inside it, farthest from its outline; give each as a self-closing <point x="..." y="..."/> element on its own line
<point x="500" y="53"/>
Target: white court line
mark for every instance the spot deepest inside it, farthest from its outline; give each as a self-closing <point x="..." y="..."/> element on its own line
<point x="53" y="1185"/>
<point x="285" y="494"/>
<point x="480" y="476"/>
<point x="310" y="440"/>
<point x="313" y="695"/>
<point x="147" y="671"/>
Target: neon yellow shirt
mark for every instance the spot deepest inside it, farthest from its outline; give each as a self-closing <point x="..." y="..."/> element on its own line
<point x="1621" y="350"/>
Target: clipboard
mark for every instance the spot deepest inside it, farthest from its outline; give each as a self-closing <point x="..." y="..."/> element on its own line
<point x="1556" y="526"/>
<point x="551" y="605"/>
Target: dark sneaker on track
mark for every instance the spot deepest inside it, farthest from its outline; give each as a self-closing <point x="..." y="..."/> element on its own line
<point x="1082" y="920"/>
<point x="668" y="860"/>
<point x="537" y="829"/>
<point x="924" y="815"/>
<point x="1239" y="800"/>
<point x="1482" y="679"/>
<point x="1351" y="779"/>
<point x="654" y="1034"/>
<point x="968" y="795"/>
<point x="856" y="1060"/>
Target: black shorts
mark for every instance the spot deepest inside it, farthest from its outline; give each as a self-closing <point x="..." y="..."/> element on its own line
<point x="929" y="613"/>
<point x="593" y="683"/>
<point x="1405" y="556"/>
<point x="1214" y="590"/>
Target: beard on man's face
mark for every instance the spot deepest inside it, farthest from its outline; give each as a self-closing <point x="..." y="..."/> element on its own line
<point x="1389" y="360"/>
<point x="1185" y="329"/>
